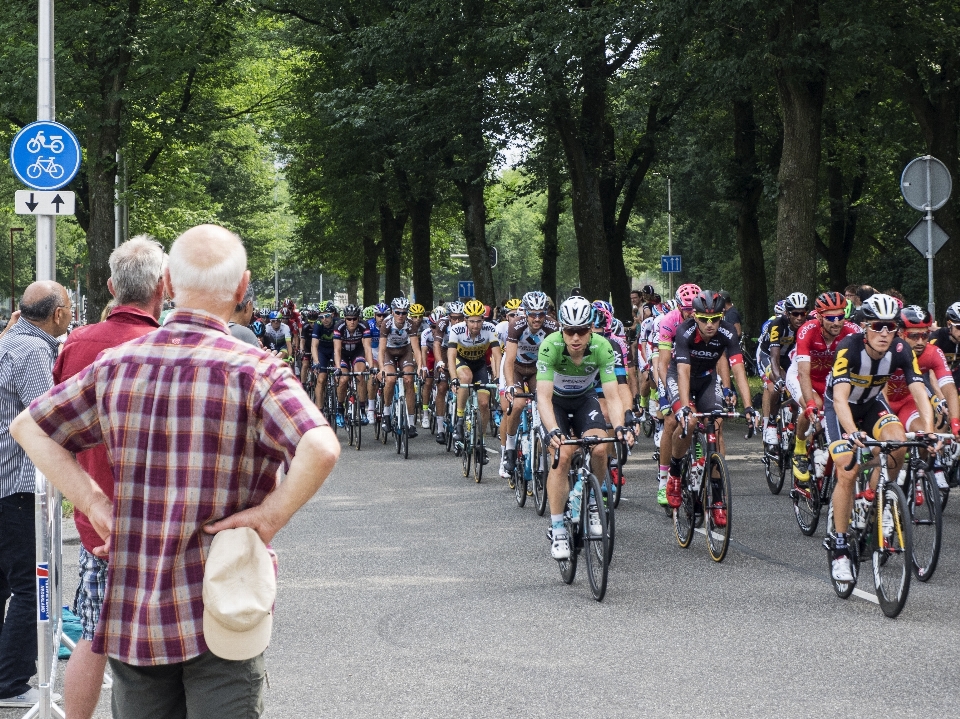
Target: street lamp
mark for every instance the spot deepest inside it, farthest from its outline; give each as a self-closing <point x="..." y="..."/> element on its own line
<point x="13" y="286"/>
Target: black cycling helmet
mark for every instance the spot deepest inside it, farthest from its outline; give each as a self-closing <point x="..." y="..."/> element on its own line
<point x="914" y="316"/>
<point x="351" y="311"/>
<point x="708" y="302"/>
<point x="953" y="312"/>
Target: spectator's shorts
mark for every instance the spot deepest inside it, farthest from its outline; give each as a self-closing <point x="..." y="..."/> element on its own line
<point x="89" y="598"/>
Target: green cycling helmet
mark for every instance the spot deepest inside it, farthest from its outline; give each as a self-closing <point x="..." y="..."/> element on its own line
<point x="369" y="312"/>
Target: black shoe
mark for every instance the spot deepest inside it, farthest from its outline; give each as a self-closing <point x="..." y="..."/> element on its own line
<point x="411" y="432"/>
<point x="510" y="460"/>
<point x="441" y="437"/>
<point x="458" y="432"/>
<point x="485" y="458"/>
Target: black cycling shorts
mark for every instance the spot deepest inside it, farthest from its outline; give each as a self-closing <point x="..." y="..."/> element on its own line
<point x="870" y="418"/>
<point x="705" y="392"/>
<point x="348" y="359"/>
<point x="325" y="357"/>
<point x="479" y="369"/>
<point x="576" y="415"/>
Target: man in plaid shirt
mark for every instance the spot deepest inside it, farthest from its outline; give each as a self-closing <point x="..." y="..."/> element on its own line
<point x="196" y="424"/>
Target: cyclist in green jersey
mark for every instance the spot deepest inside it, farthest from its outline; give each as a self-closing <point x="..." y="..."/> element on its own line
<point x="568" y="363"/>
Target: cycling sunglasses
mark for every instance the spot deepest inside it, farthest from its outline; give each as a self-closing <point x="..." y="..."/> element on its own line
<point x="326" y="316"/>
<point x="400" y="313"/>
<point x="798" y="314"/>
<point x="710" y="319"/>
<point x="954" y="325"/>
<point x="833" y="318"/>
<point x="579" y="331"/>
<point x="918" y="335"/>
<point x="380" y="314"/>
<point x="352" y="319"/>
<point x="536" y="315"/>
<point x="882" y="327"/>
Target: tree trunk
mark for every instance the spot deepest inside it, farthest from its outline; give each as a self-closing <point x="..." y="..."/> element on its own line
<point x="938" y="113"/>
<point x="391" y="234"/>
<point x="843" y="221"/>
<point x="748" y="190"/>
<point x="371" y="276"/>
<point x="475" y="234"/>
<point x="802" y="92"/>
<point x="352" y="283"/>
<point x="551" y="244"/>
<point x="421" y="210"/>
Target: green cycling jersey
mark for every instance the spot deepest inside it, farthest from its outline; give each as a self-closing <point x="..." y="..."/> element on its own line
<point x="570" y="380"/>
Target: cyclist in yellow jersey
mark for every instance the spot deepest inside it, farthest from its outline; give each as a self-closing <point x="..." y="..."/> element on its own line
<point x="466" y="351"/>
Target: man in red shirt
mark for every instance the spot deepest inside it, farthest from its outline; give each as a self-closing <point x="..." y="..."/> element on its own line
<point x="136" y="273"/>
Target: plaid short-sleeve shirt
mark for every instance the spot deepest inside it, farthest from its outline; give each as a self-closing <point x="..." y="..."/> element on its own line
<point x="196" y="424"/>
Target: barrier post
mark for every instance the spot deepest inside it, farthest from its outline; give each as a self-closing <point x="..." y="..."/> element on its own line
<point x="49" y="595"/>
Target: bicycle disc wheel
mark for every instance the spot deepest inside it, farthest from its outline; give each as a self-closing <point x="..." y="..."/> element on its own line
<point x="893" y="561"/>
<point x="568" y="567"/>
<point x="843" y="589"/>
<point x="924" y="505"/>
<point x="539" y="476"/>
<point x="597" y="548"/>
<point x="684" y="515"/>
<point x="806" y="506"/>
<point x="718" y="532"/>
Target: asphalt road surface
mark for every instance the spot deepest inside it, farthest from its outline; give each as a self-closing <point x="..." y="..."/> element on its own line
<point x="407" y="590"/>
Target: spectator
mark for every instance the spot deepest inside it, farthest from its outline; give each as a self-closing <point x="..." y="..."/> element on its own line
<point x="136" y="283"/>
<point x="197" y="424"/>
<point x="731" y="314"/>
<point x="851" y="294"/>
<point x="27" y="353"/>
<point x="864" y="292"/>
<point x="239" y="323"/>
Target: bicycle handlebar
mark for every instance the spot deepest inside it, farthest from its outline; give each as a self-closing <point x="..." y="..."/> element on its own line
<point x="589" y="441"/>
<point x="887" y="446"/>
<point x="518" y="395"/>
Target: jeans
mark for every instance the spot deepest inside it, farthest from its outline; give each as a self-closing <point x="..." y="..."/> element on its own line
<point x="18" y="631"/>
<point x="205" y="687"/>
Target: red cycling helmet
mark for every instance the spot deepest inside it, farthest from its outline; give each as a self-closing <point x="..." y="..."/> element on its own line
<point x="915" y="316"/>
<point x="830" y="302"/>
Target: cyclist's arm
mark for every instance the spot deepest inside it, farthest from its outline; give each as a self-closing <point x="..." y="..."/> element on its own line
<point x="289" y="344"/>
<point x="723" y="369"/>
<point x="683" y="383"/>
<point x="367" y="351"/>
<point x="775" y="362"/>
<point x="417" y="355"/>
<point x="919" y="392"/>
<point x="545" y="405"/>
<point x="495" y="356"/>
<point x="511" y="357"/>
<point x="315" y="350"/>
<point x="743" y="387"/>
<point x="452" y="361"/>
<point x="806" y="386"/>
<point x="841" y="393"/>
<point x="381" y="353"/>
<point x="337" y="346"/>
<point x="611" y="392"/>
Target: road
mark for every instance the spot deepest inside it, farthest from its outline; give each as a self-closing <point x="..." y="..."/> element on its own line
<point x="406" y="590"/>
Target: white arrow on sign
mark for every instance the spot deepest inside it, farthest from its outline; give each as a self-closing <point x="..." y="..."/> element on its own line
<point x="47" y="202"/>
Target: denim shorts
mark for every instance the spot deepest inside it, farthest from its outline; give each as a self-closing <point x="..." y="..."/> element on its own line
<point x="90" y="591"/>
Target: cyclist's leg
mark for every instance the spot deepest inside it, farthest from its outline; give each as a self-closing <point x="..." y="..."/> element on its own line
<point x="466" y="377"/>
<point x="882" y="424"/>
<point x="409" y="365"/>
<point x="389" y="370"/>
<point x="842" y="453"/>
<point x="360" y="365"/>
<point x="345" y="364"/>
<point x="482" y="375"/>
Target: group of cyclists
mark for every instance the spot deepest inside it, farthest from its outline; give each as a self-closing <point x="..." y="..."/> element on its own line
<point x="863" y="373"/>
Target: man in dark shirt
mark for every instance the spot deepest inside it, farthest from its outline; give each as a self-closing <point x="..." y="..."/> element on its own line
<point x="730" y="313"/>
<point x="136" y="268"/>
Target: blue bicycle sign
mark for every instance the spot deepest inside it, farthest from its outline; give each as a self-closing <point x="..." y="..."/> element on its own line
<point x="45" y="155"/>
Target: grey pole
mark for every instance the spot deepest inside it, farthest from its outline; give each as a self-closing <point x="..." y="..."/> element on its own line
<point x="276" y="282"/>
<point x="931" y="308"/>
<point x="46" y="110"/>
<point x="117" y="216"/>
<point x="670" y="229"/>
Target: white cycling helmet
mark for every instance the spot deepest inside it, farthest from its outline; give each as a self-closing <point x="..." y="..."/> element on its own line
<point x="617" y="328"/>
<point x="455" y="308"/>
<point x="438" y="314"/>
<point x="575" y="312"/>
<point x="796" y="301"/>
<point x="880" y="307"/>
<point x="953" y="312"/>
<point x="534" y="302"/>
<point x="400" y="303"/>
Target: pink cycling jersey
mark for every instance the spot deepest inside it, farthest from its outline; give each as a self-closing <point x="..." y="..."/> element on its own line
<point x="668" y="327"/>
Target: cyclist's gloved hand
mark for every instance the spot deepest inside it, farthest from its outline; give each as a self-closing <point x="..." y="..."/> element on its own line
<point x="554" y="438"/>
<point x="337" y="372"/>
<point x="664" y="403"/>
<point x="455" y="383"/>
<point x="811" y="409"/>
<point x="751" y="414"/>
<point x="512" y="391"/>
<point x="683" y="416"/>
<point x="940" y="405"/>
<point x="857" y="438"/>
<point x="779" y="385"/>
<point x="729" y="396"/>
<point x="316" y="366"/>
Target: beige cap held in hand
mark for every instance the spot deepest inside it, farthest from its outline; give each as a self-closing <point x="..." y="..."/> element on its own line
<point x="239" y="589"/>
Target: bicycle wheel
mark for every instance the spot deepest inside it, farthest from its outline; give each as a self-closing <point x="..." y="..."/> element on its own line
<point x="466" y="452"/>
<point x="806" y="506"/>
<point x="611" y="528"/>
<point x="598" y="549"/>
<point x="539" y="475"/>
<point x="771" y="468"/>
<point x="717" y="530"/>
<point x="358" y="421"/>
<point x="519" y="478"/>
<point x="684" y="516"/>
<point x="843" y="589"/>
<point x="568" y="567"/>
<point x="893" y="557"/>
<point x="399" y="425"/>
<point x="649" y="424"/>
<point x="924" y="505"/>
<point x="378" y="416"/>
<point x="351" y="405"/>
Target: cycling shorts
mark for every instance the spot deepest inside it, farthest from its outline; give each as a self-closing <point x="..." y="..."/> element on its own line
<point x="792" y="378"/>
<point x="525" y="377"/>
<point x="906" y="411"/>
<point x="431" y="362"/>
<point x="479" y="370"/>
<point x="576" y="415"/>
<point x="325" y="359"/>
<point x="870" y="418"/>
<point x="399" y="356"/>
<point x="705" y="392"/>
<point x="348" y="359"/>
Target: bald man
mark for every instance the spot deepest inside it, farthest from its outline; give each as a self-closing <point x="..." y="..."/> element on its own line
<point x="27" y="353"/>
<point x="197" y="424"/>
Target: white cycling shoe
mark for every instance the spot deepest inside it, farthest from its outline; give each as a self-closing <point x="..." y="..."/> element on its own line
<point x="770" y="435"/>
<point x="593" y="521"/>
<point x="841" y="570"/>
<point x="560" y="549"/>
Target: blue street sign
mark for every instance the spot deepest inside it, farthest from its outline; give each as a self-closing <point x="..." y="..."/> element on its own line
<point x="45" y="155"/>
<point x="670" y="263"/>
<point x="465" y="288"/>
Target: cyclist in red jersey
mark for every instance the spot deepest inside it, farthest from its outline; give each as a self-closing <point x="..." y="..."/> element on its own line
<point x="915" y="323"/>
<point x="815" y="347"/>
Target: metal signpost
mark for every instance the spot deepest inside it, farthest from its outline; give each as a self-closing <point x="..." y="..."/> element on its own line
<point x="670" y="264"/>
<point x="926" y="186"/>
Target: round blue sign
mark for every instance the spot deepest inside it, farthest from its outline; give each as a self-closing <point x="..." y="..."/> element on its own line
<point x="45" y="155"/>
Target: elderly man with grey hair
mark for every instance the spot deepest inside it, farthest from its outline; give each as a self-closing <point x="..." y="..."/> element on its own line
<point x="27" y="353"/>
<point x="136" y="283"/>
<point x="197" y="424"/>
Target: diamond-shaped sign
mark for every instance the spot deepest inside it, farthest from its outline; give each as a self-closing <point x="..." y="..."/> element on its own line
<point x="918" y="236"/>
